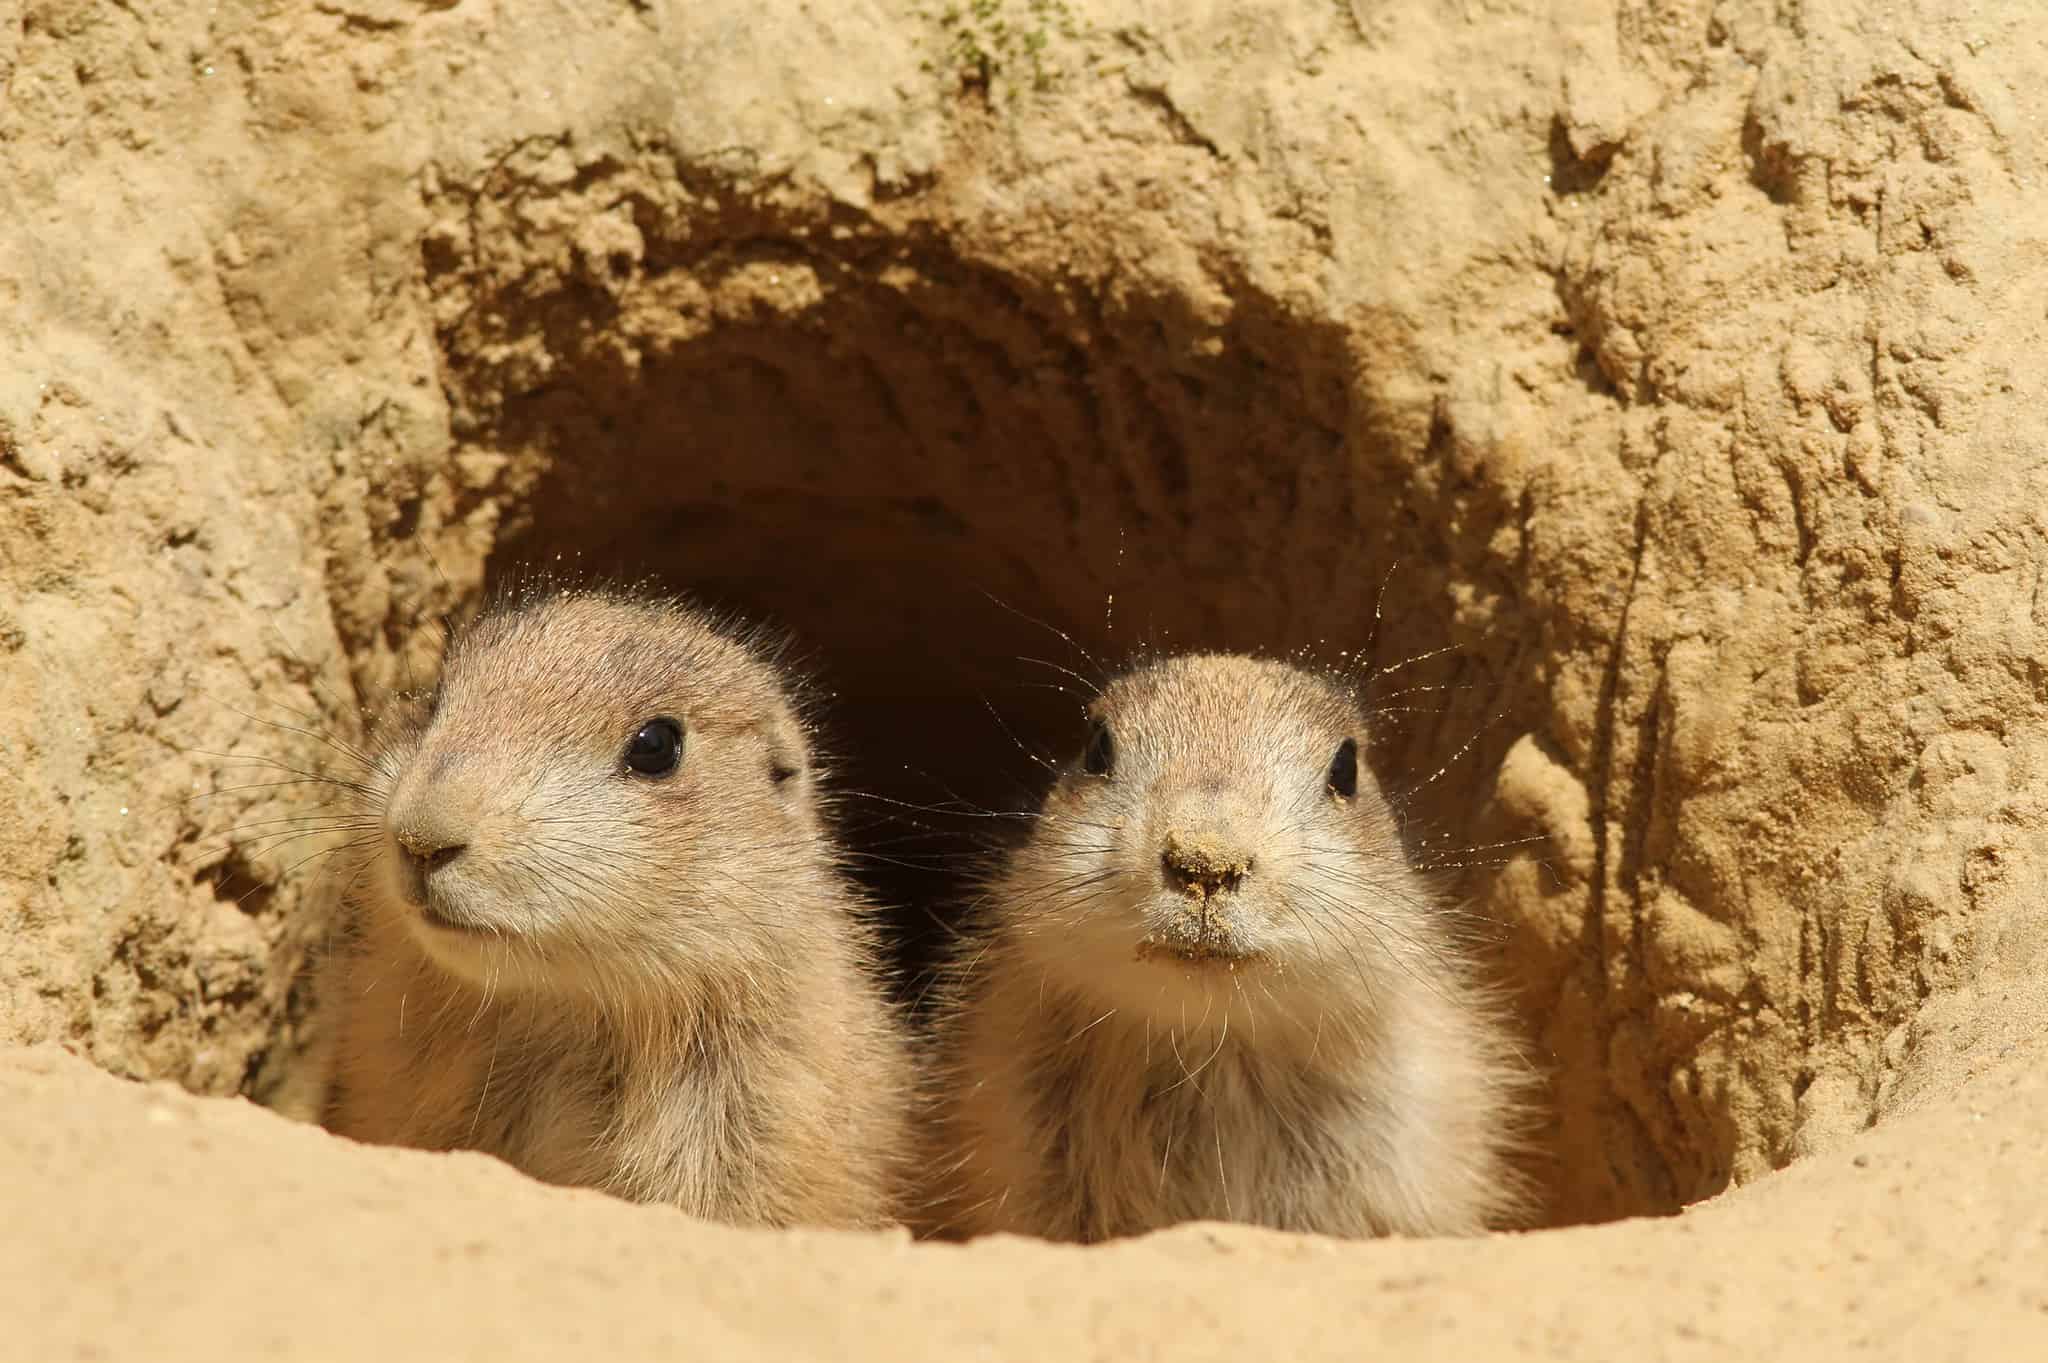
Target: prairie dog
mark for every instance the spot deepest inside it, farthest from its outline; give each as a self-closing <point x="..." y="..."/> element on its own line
<point x="1210" y="986"/>
<point x="603" y="935"/>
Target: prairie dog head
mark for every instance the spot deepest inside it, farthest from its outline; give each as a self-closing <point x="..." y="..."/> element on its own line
<point x="602" y="795"/>
<point x="1218" y="837"/>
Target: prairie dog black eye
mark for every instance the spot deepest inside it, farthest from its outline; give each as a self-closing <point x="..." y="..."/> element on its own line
<point x="1344" y="770"/>
<point x="1100" y="758"/>
<point x="656" y="749"/>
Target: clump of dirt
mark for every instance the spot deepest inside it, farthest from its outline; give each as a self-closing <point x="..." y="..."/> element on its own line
<point x="1203" y="865"/>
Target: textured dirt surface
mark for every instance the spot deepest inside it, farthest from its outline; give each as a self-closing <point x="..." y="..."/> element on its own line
<point x="1673" y="365"/>
<point x="179" y="1227"/>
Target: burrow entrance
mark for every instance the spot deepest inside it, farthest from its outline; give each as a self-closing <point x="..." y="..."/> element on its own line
<point x="964" y="489"/>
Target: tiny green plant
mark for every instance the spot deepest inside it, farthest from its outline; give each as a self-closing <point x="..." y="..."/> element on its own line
<point x="1002" y="46"/>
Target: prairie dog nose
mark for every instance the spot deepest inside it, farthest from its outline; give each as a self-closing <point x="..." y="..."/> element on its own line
<point x="1204" y="863"/>
<point x="429" y="851"/>
<point x="427" y="836"/>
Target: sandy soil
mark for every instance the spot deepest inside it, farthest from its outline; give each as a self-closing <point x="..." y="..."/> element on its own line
<point x="1673" y="366"/>
<point x="179" y="1227"/>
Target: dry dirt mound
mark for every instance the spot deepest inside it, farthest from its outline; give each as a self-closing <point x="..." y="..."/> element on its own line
<point x="175" y="1227"/>
<point x="1674" y="367"/>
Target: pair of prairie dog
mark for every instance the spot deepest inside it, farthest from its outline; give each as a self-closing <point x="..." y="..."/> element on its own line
<point x="604" y="934"/>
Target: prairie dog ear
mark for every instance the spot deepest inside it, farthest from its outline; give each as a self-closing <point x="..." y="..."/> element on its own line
<point x="789" y="752"/>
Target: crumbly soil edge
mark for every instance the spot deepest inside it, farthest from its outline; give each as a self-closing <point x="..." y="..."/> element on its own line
<point x="171" y="1227"/>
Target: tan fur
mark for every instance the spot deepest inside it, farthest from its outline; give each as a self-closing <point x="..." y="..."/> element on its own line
<point x="1209" y="988"/>
<point x="664" y="988"/>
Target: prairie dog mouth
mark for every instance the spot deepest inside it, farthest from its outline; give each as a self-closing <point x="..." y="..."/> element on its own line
<point x="435" y="918"/>
<point x="1199" y="929"/>
<point x="1229" y="955"/>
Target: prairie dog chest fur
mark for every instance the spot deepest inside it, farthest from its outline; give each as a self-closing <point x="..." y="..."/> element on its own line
<point x="1210" y="985"/>
<point x="602" y="932"/>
